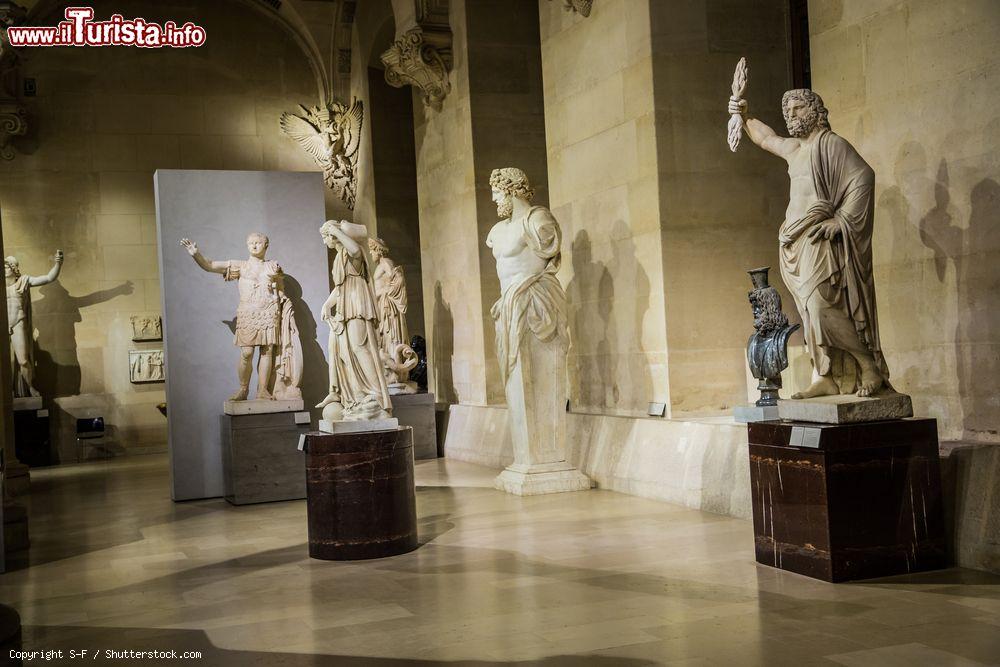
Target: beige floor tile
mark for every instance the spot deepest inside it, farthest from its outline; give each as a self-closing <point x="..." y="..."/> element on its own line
<point x="597" y="579"/>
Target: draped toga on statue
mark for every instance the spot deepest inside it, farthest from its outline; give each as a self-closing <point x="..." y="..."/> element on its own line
<point x="392" y="306"/>
<point x="537" y="303"/>
<point x="835" y="274"/>
<point x="355" y="315"/>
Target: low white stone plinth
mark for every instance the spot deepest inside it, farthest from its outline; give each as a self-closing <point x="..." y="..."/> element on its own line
<point x="261" y="407"/>
<point x="534" y="480"/>
<point x="755" y="413"/>
<point x="328" y="426"/>
<point x="28" y="403"/>
<point x="846" y="408"/>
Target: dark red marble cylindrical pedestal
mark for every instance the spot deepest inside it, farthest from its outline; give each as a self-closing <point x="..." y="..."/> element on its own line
<point x="360" y="494"/>
<point x="10" y="635"/>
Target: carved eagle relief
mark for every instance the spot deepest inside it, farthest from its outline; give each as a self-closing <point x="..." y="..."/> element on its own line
<point x="332" y="137"/>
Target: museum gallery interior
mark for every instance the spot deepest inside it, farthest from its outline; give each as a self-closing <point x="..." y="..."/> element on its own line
<point x="482" y="332"/>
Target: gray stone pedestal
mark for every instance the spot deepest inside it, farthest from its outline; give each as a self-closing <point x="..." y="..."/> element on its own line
<point x="260" y="458"/>
<point x="755" y="413"/>
<point x="417" y="412"/>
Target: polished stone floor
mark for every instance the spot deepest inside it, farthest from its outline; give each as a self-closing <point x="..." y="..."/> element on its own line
<point x="592" y="578"/>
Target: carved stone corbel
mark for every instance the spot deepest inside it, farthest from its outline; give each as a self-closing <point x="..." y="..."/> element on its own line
<point x="13" y="115"/>
<point x="421" y="56"/>
<point x="581" y="7"/>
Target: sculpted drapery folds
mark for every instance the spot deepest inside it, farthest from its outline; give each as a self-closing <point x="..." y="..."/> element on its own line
<point x="845" y="186"/>
<point x="531" y="302"/>
<point x="390" y="295"/>
<point x="358" y="388"/>
<point x="398" y="359"/>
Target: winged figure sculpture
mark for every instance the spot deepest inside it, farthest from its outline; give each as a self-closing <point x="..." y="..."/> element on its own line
<point x="331" y="136"/>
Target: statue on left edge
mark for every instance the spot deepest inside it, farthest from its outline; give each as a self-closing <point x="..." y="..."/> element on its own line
<point x="19" y="321"/>
<point x="265" y="321"/>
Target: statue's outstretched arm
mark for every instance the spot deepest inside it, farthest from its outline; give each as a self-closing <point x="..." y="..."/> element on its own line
<point x="201" y="260"/>
<point x="53" y="273"/>
<point x="761" y="134"/>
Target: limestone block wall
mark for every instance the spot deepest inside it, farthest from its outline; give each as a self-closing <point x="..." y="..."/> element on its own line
<point x="103" y="120"/>
<point x="915" y="86"/>
<point x="604" y="190"/>
<point x="449" y="238"/>
<point x="719" y="212"/>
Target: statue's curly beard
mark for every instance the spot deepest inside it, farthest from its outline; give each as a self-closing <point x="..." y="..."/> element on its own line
<point x="505" y="209"/>
<point x="801" y="127"/>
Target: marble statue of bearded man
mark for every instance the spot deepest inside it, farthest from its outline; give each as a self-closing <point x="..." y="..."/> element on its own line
<point x="826" y="246"/>
<point x="526" y="244"/>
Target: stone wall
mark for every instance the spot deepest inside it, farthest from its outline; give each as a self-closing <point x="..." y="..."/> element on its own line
<point x="719" y="211"/>
<point x="449" y="238"/>
<point x="103" y="120"/>
<point x="915" y="86"/>
<point x="604" y="190"/>
<point x="661" y="221"/>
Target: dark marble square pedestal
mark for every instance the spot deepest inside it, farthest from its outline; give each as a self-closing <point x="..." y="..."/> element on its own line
<point x="260" y="458"/>
<point x="850" y="501"/>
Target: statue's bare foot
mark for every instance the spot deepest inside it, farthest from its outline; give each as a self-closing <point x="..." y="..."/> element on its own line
<point x="822" y="387"/>
<point x="33" y="392"/>
<point x="332" y="397"/>
<point x="264" y="395"/>
<point x="871" y="382"/>
<point x="240" y="395"/>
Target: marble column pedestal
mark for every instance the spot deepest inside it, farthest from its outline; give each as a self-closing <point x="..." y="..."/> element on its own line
<point x="536" y="407"/>
<point x="361" y="498"/>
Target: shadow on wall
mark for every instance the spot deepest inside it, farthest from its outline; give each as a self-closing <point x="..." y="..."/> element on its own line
<point x="59" y="374"/>
<point x="315" y="370"/>
<point x="442" y="348"/>
<point x="972" y="249"/>
<point x="617" y="356"/>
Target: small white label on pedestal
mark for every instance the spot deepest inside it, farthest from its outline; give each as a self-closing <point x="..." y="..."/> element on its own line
<point x="302" y="441"/>
<point x="301" y="417"/>
<point x="804" y="436"/>
<point x="42" y="413"/>
<point x="810" y="437"/>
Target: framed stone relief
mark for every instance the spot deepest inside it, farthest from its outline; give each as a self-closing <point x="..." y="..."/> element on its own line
<point x="145" y="366"/>
<point x="146" y="327"/>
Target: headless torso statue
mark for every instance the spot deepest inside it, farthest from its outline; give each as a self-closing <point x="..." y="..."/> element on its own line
<point x="531" y="339"/>
<point x="825" y="246"/>
<point x="19" y="321"/>
<point x="264" y="322"/>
